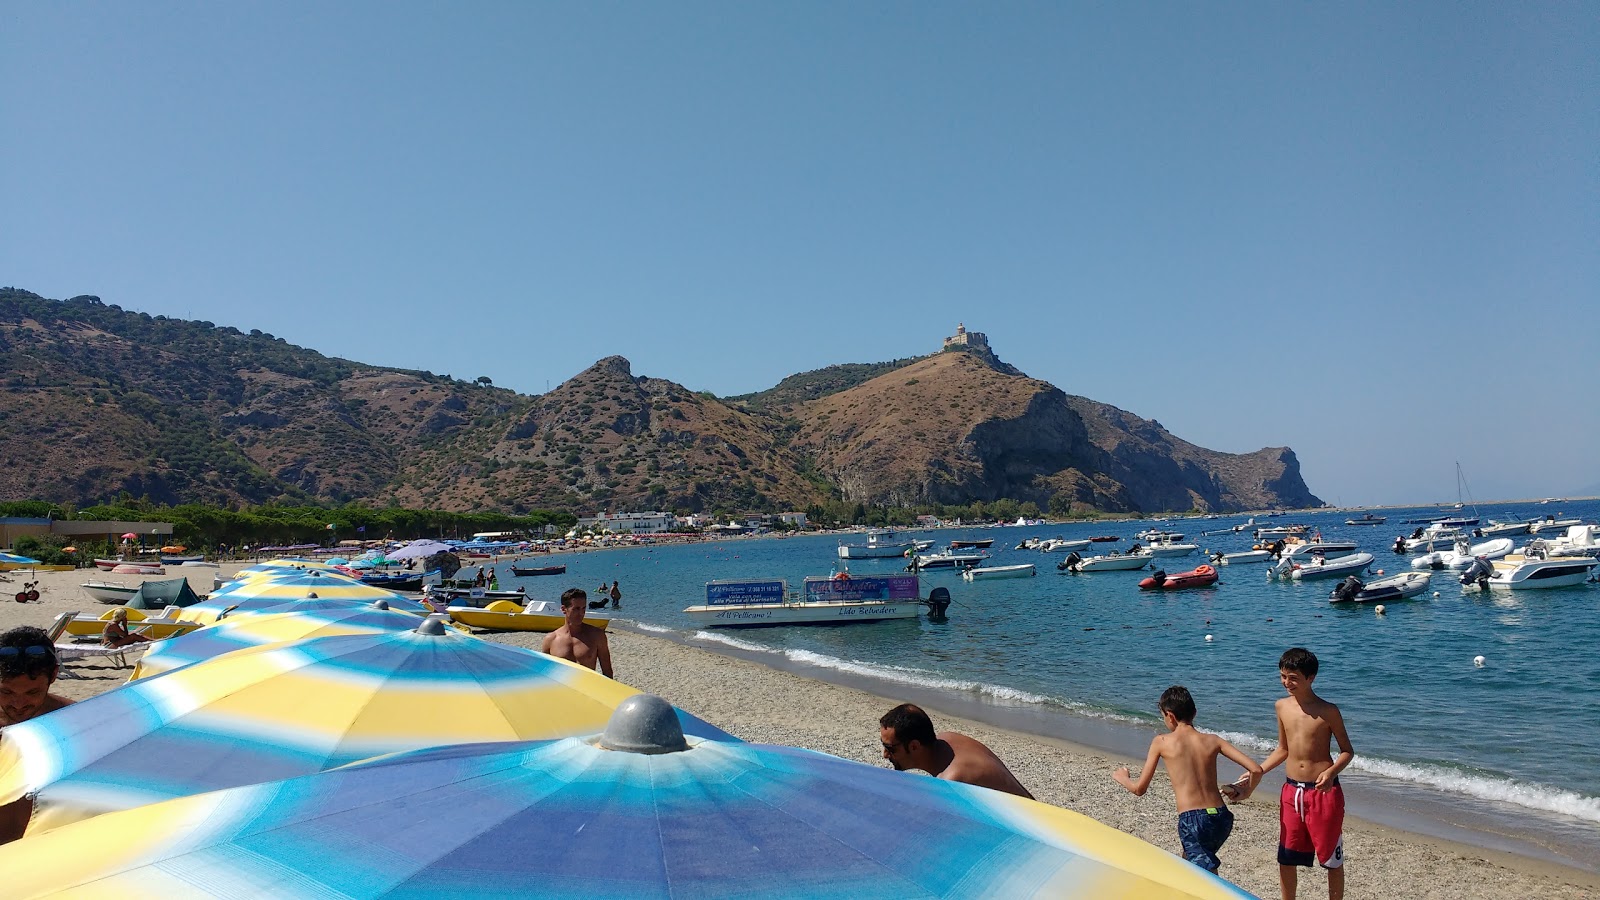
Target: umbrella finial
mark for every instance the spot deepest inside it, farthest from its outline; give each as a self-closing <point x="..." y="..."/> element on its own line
<point x="380" y="604"/>
<point x="644" y="723"/>
<point x="433" y="624"/>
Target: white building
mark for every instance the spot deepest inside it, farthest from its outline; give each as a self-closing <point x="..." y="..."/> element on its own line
<point x="797" y="519"/>
<point x="635" y="523"/>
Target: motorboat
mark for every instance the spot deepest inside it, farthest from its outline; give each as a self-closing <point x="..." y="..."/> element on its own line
<point x="1281" y="531"/>
<point x="1395" y="587"/>
<point x="396" y="581"/>
<point x="1533" y="571"/>
<point x="1165" y="548"/>
<point x="108" y="564"/>
<point x="1368" y="519"/>
<point x="527" y="571"/>
<point x="977" y="544"/>
<point x="1155" y="534"/>
<point x="1551" y="523"/>
<point x="1503" y="529"/>
<point x="976" y="573"/>
<point x="1200" y="576"/>
<point x="1462" y="556"/>
<point x="1061" y="545"/>
<point x="1245" y="557"/>
<point x="1433" y="537"/>
<point x="881" y="544"/>
<point x="138" y="569"/>
<point x="180" y="560"/>
<point x="1110" y="562"/>
<point x="508" y="615"/>
<point x="475" y="597"/>
<point x="111" y="593"/>
<point x="1303" y="550"/>
<point x="1104" y="539"/>
<point x="822" y="601"/>
<point x="1317" y="568"/>
<point x="946" y="560"/>
<point x="1580" y="540"/>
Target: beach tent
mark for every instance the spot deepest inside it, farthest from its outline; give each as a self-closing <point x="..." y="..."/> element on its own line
<point x="633" y="813"/>
<point x="162" y="594"/>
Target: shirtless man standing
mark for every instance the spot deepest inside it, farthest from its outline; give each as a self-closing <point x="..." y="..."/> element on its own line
<point x="577" y="640"/>
<point x="910" y="743"/>
<point x="27" y="669"/>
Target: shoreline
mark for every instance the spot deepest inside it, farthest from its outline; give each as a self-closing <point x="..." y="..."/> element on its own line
<point x="835" y="712"/>
<point x="771" y="704"/>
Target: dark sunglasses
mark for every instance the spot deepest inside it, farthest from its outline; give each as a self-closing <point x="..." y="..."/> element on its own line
<point x="36" y="650"/>
<point x="889" y="748"/>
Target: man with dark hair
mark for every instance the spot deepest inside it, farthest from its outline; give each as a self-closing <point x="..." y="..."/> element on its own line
<point x="1204" y="821"/>
<point x="909" y="742"/>
<point x="27" y="669"/>
<point x="577" y="640"/>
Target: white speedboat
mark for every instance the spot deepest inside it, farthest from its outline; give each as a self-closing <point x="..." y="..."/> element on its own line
<point x="1434" y="537"/>
<point x="985" y="572"/>
<point x="1245" y="557"/>
<point x="881" y="544"/>
<point x="1058" y="545"/>
<point x="1580" y="540"/>
<point x="1502" y="529"/>
<point x="1165" y="549"/>
<point x="1395" y="587"/>
<point x="1327" y="549"/>
<point x="1317" y="568"/>
<point x="946" y="560"/>
<point x="1551" y="523"/>
<point x="1517" y="572"/>
<point x="1151" y="535"/>
<point x="823" y="601"/>
<point x="1281" y="531"/>
<point x="1368" y="519"/>
<point x="111" y="593"/>
<point x="1462" y="556"/>
<point x="1110" y="562"/>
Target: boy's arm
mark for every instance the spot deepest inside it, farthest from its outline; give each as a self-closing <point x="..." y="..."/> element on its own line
<point x="1252" y="771"/>
<point x="604" y="652"/>
<point x="1149" y="772"/>
<point x="1246" y="784"/>
<point x="1346" y="752"/>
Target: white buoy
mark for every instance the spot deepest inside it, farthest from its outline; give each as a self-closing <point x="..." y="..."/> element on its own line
<point x="1208" y="638"/>
<point x="1380" y="609"/>
<point x="1435" y="595"/>
<point x="1477" y="661"/>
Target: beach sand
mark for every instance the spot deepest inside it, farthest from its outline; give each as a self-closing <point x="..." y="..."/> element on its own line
<point x="766" y="705"/>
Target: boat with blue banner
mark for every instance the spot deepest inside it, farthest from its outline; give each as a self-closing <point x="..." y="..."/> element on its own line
<point x="841" y="600"/>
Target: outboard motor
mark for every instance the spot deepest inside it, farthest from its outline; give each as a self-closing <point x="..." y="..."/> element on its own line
<point x="1478" y="572"/>
<point x="1135" y="548"/>
<point x="1276" y="547"/>
<point x="1072" y="559"/>
<point x="938" y="602"/>
<point x="1348" y="589"/>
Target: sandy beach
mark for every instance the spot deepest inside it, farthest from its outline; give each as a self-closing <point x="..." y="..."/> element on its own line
<point x="766" y="705"/>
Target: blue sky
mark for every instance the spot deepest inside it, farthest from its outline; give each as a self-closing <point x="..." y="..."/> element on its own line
<point x="1369" y="232"/>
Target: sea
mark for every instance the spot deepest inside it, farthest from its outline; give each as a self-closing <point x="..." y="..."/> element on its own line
<point x="1501" y="753"/>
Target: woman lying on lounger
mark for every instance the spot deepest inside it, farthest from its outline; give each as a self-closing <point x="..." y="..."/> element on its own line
<point x="117" y="633"/>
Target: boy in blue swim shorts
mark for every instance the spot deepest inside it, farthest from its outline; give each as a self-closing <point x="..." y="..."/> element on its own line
<point x="1204" y="820"/>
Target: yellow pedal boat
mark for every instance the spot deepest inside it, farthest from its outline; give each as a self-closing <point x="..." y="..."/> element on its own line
<point x="167" y="623"/>
<point x="504" y="615"/>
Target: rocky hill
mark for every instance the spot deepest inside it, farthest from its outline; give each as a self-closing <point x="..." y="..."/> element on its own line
<point x="97" y="400"/>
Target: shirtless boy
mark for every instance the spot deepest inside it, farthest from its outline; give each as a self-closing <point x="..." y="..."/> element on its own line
<point x="1311" y="804"/>
<point x="577" y="640"/>
<point x="1204" y="821"/>
<point x="910" y="743"/>
<point x="27" y="669"/>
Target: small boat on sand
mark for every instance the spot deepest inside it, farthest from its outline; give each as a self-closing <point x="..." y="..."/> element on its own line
<point x="975" y="574"/>
<point x="1200" y="576"/>
<point x="111" y="593"/>
<point x="507" y="615"/>
<point x="138" y="569"/>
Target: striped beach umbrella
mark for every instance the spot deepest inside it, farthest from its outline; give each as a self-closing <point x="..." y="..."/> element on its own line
<point x="284" y="710"/>
<point x="239" y="632"/>
<point x="263" y="593"/>
<point x="595" y="817"/>
<point x="211" y="612"/>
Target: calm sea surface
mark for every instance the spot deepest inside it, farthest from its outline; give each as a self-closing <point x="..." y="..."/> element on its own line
<point x="1523" y="729"/>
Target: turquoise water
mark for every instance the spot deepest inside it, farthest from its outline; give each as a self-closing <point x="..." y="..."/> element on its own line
<point x="1522" y="729"/>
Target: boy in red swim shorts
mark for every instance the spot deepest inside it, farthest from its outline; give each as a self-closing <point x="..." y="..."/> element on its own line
<point x="1311" y="804"/>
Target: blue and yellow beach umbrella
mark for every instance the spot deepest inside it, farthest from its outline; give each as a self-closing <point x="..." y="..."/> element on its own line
<point x="238" y="632"/>
<point x="284" y="710"/>
<point x="269" y="592"/>
<point x="571" y="818"/>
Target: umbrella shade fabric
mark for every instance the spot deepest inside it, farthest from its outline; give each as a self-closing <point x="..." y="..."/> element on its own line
<point x="419" y="550"/>
<point x="569" y="818"/>
<point x="210" y="613"/>
<point x="266" y="628"/>
<point x="283" y="710"/>
<point x="15" y="559"/>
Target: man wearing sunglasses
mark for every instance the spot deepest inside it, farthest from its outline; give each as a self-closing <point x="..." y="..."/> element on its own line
<point x="909" y="742"/>
<point x="27" y="669"/>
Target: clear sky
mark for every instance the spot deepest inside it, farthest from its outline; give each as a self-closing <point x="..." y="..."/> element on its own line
<point x="1367" y="231"/>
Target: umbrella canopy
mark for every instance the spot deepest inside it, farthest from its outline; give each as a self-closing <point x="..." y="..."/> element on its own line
<point x="322" y="585"/>
<point x="269" y="628"/>
<point x="210" y="613"/>
<point x="130" y="536"/>
<point x="420" y="550"/>
<point x="284" y="710"/>
<point x="15" y="559"/>
<point x="572" y="817"/>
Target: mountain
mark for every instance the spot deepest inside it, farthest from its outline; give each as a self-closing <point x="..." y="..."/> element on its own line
<point x="98" y="400"/>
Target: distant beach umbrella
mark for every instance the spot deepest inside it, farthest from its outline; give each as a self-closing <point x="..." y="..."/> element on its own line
<point x="285" y="710"/>
<point x="14" y="559"/>
<point x="420" y="550"/>
<point x="130" y="536"/>
<point x="571" y="817"/>
<point x="239" y="632"/>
